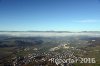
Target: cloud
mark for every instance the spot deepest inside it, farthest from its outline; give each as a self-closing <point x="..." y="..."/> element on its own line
<point x="87" y="21"/>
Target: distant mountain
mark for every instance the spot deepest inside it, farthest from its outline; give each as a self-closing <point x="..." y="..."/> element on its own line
<point x="58" y="31"/>
<point x="90" y="31"/>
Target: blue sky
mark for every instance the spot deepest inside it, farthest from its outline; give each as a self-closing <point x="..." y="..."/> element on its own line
<point x="42" y="15"/>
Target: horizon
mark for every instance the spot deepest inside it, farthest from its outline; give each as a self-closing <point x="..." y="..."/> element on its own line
<point x="50" y="15"/>
<point x="54" y="31"/>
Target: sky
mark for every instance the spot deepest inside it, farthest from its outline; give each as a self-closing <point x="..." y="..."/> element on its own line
<point x="49" y="15"/>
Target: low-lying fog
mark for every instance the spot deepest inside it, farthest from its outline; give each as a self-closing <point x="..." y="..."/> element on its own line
<point x="48" y="34"/>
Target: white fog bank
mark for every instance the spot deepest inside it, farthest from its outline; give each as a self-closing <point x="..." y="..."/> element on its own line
<point x="47" y="34"/>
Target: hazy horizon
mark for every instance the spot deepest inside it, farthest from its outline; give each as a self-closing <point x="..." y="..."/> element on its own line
<point x="49" y="34"/>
